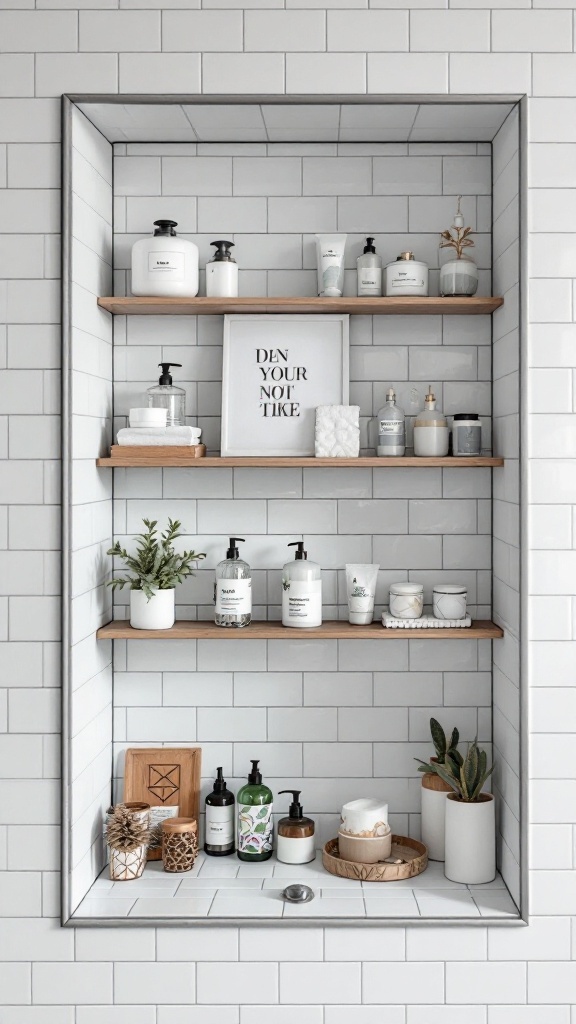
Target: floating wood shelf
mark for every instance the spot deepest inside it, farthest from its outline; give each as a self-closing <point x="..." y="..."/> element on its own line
<point x="410" y="305"/>
<point x="121" y="629"/>
<point x="126" y="456"/>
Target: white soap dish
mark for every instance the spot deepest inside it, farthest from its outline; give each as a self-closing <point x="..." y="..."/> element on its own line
<point x="425" y="622"/>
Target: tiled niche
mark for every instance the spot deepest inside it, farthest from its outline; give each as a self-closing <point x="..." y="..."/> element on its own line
<point x="334" y="718"/>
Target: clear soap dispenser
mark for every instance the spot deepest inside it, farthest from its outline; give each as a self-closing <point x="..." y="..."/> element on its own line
<point x="233" y="589"/>
<point x="165" y="395"/>
<point x="431" y="434"/>
<point x="301" y="590"/>
<point x="391" y="427"/>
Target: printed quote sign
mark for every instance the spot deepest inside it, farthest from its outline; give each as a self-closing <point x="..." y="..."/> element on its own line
<point x="276" y="371"/>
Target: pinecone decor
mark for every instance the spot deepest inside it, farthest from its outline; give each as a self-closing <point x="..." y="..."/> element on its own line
<point x="128" y="836"/>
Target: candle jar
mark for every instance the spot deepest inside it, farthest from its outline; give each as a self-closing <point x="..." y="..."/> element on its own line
<point x="406" y="600"/>
<point x="449" y="601"/>
<point x="466" y="434"/>
<point x="179" y="844"/>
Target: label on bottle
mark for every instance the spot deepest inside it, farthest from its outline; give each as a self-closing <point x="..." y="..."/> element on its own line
<point x="406" y="279"/>
<point x="233" y="597"/>
<point x="160" y="261"/>
<point x="391" y="433"/>
<point x="219" y="825"/>
<point x="370" y="281"/>
<point x="255" y="828"/>
<point x="301" y="602"/>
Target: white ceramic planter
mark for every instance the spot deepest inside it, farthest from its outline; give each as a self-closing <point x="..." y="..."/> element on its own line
<point x="459" y="277"/>
<point x="470" y="840"/>
<point x="156" y="613"/>
<point x="433" y="821"/>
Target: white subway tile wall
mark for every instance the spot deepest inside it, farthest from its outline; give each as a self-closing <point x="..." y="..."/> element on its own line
<point x="452" y="56"/>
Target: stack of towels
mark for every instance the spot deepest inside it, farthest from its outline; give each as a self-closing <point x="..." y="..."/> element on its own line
<point x="152" y="436"/>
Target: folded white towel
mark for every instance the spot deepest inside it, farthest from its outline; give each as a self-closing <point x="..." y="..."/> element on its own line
<point x="156" y="436"/>
<point x="424" y="622"/>
<point x="337" y="431"/>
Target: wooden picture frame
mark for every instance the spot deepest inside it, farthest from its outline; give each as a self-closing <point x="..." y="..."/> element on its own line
<point x="167" y="778"/>
<point x="276" y="370"/>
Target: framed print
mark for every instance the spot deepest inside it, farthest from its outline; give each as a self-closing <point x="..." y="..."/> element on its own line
<point x="277" y="369"/>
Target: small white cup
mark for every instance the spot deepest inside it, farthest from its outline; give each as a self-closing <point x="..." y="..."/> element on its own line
<point x="149" y="417"/>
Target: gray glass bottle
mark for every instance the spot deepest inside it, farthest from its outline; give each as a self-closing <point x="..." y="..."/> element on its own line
<point x="233" y="589"/>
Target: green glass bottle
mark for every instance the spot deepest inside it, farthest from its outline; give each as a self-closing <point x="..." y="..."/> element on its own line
<point x="255" y="824"/>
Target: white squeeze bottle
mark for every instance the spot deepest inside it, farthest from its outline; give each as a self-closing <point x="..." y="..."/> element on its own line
<point x="301" y="590"/>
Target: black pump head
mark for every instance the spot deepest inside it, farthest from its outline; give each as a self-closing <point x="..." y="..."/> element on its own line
<point x="369" y="247"/>
<point x="295" y="810"/>
<point x="255" y="776"/>
<point x="223" y="251"/>
<point x="220" y="782"/>
<point x="166" y="376"/>
<point x="165" y="227"/>
<point x="300" y="552"/>
<point x="233" y="550"/>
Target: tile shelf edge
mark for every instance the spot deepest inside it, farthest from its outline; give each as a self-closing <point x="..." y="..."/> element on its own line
<point x="183" y="629"/>
<point x="126" y="457"/>
<point x="475" y="305"/>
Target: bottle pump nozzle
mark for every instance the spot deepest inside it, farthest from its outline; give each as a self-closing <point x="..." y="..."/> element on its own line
<point x="255" y="776"/>
<point x="219" y="782"/>
<point x="233" y="549"/>
<point x="300" y="553"/>
<point x="166" y="376"/>
<point x="165" y="227"/>
<point x="295" y="810"/>
<point x="369" y="247"/>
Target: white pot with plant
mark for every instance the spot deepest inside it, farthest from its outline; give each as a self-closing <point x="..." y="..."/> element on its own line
<point x="156" y="570"/>
<point x="435" y="790"/>
<point x="458" y="276"/>
<point x="470" y="820"/>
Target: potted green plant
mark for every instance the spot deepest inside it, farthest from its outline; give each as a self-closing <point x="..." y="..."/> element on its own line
<point x="470" y="819"/>
<point x="460" y="275"/>
<point x="156" y="569"/>
<point x="435" y="790"/>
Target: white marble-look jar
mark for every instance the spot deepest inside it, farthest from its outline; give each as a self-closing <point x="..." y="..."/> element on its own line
<point x="406" y="600"/>
<point x="449" y="601"/>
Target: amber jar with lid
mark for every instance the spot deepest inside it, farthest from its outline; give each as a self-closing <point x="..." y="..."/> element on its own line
<point x="179" y="844"/>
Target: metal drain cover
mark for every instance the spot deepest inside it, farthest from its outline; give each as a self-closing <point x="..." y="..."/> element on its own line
<point x="298" y="893"/>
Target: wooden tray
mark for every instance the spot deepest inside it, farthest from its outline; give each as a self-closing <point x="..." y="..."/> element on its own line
<point x="164" y="777"/>
<point x="139" y="454"/>
<point x="413" y="853"/>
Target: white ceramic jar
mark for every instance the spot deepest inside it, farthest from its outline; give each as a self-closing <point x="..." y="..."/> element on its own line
<point x="165" y="264"/>
<point x="459" y="277"/>
<point x="449" y="601"/>
<point x="366" y="818"/>
<point x="142" y="418"/>
<point x="406" y="276"/>
<point x="470" y="840"/>
<point x="156" y="613"/>
<point x="406" y="600"/>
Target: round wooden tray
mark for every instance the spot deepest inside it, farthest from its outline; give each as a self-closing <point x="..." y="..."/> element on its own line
<point x="413" y="853"/>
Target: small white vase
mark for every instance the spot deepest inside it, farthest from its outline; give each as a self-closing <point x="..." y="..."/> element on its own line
<point x="156" y="613"/>
<point x="470" y="840"/>
<point x="433" y="820"/>
<point x="459" y="277"/>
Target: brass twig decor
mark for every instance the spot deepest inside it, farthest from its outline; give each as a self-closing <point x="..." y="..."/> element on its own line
<point x="125" y="830"/>
<point x="457" y="236"/>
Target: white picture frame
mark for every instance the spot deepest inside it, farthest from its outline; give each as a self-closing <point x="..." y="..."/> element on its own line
<point x="276" y="370"/>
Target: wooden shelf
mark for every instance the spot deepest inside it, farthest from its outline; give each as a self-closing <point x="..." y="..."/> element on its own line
<point x="125" y="456"/>
<point x="121" y="629"/>
<point x="393" y="306"/>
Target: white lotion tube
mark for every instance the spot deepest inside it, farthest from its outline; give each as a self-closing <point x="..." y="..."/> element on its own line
<point x="330" y="255"/>
<point x="361" y="590"/>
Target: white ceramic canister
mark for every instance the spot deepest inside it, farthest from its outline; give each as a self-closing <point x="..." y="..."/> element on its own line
<point x="433" y="817"/>
<point x="449" y="601"/>
<point x="406" y="276"/>
<point x="466" y="434"/>
<point x="406" y="600"/>
<point x="153" y="417"/>
<point x="156" y="613"/>
<point x="470" y="855"/>
<point x="459" y="277"/>
<point x="366" y="817"/>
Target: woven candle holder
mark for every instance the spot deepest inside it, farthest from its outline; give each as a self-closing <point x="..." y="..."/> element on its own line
<point x="179" y="844"/>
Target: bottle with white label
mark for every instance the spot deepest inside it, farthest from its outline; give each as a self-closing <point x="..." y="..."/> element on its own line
<point x="295" y="842"/>
<point x="165" y="264"/>
<point x="391" y="427"/>
<point x="219" y="840"/>
<point x="369" y="270"/>
<point x="233" y="589"/>
<point x="301" y="590"/>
